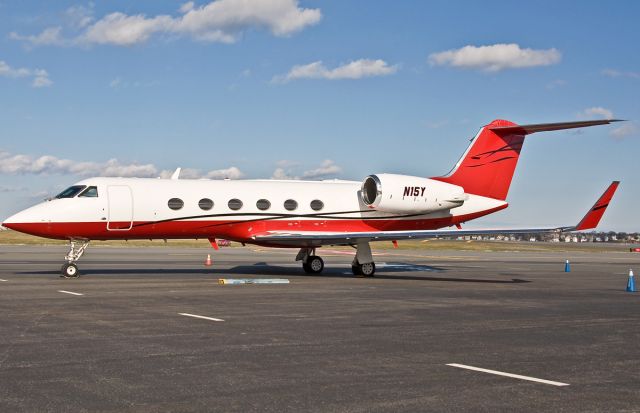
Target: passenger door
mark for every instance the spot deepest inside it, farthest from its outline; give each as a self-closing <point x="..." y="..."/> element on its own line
<point x="120" y="208"/>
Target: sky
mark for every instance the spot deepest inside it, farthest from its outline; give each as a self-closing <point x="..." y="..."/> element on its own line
<point x="320" y="89"/>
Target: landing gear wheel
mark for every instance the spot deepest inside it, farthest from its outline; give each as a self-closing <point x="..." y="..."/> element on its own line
<point x="69" y="270"/>
<point x="367" y="269"/>
<point x="355" y="269"/>
<point x="314" y="265"/>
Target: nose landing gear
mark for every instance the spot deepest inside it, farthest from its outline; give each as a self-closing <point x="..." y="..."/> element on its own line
<point x="76" y="249"/>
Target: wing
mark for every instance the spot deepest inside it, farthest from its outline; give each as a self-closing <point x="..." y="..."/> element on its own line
<point x="317" y="239"/>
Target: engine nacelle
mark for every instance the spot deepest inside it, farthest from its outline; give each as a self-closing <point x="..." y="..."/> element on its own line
<point x="401" y="194"/>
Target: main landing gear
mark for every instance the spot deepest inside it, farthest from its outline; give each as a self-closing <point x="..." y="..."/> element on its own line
<point x="311" y="263"/>
<point x="362" y="265"/>
<point x="76" y="249"/>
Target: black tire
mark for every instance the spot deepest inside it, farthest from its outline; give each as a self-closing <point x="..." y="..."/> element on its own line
<point x="70" y="270"/>
<point x="355" y="269"/>
<point x="306" y="268"/>
<point x="368" y="270"/>
<point x="315" y="264"/>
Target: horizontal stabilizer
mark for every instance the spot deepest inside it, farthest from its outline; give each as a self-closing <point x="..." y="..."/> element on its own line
<point x="544" y="127"/>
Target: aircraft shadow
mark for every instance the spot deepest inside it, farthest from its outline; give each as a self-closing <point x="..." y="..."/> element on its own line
<point x="388" y="271"/>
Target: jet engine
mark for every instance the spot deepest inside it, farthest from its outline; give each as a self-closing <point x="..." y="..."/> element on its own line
<point x="403" y="194"/>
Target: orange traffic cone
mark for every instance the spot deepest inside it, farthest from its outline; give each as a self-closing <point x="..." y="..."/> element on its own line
<point x="208" y="262"/>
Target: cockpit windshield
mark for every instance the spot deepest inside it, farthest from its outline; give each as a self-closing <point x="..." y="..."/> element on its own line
<point x="71" y="191"/>
<point x="90" y="192"/>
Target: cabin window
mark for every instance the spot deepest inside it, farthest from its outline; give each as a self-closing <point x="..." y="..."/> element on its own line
<point x="205" y="204"/>
<point x="71" y="191"/>
<point x="90" y="192"/>
<point x="175" y="203"/>
<point x="317" y="205"/>
<point x="263" y="204"/>
<point x="235" y="204"/>
<point x="290" y="205"/>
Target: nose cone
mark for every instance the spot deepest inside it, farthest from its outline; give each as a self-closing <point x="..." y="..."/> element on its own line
<point x="17" y="221"/>
<point x="29" y="221"/>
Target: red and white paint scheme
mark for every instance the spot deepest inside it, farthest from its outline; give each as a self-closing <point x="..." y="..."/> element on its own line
<point x="298" y="214"/>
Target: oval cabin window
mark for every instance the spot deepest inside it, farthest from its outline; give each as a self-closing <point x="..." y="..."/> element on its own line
<point x="175" y="204"/>
<point x="235" y="204"/>
<point x="205" y="204"/>
<point x="263" y="204"/>
<point x="290" y="205"/>
<point x="317" y="205"/>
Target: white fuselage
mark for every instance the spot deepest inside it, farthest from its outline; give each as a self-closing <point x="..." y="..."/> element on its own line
<point x="129" y="208"/>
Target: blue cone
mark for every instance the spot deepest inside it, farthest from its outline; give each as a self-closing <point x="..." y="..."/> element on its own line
<point x="567" y="266"/>
<point x="631" y="284"/>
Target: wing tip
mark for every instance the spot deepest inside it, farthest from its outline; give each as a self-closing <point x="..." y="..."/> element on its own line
<point x="594" y="215"/>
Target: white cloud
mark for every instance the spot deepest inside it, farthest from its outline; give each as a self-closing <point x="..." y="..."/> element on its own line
<point x="229" y="173"/>
<point x="355" y="69"/>
<point x="217" y="21"/>
<point x="618" y="73"/>
<point x="40" y="76"/>
<point x="79" y="17"/>
<point x="285" y="170"/>
<point x="495" y="57"/>
<point x="596" y="111"/>
<point x="281" y="173"/>
<point x="186" y="7"/>
<point x="122" y="30"/>
<point x="624" y="131"/>
<point x="46" y="165"/>
<point x="51" y="36"/>
<point x="326" y="169"/>
<point x="8" y="71"/>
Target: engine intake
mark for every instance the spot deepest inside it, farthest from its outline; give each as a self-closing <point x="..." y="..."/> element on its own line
<point x="410" y="194"/>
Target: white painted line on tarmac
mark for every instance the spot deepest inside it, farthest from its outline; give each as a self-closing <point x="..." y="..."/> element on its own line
<point x="201" y="316"/>
<point x="69" y="292"/>
<point x="3" y="280"/>
<point x="515" y="376"/>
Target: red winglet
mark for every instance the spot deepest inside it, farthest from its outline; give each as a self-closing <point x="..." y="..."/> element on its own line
<point x="594" y="215"/>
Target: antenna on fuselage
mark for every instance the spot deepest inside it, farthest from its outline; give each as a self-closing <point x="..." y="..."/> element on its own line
<point x="176" y="174"/>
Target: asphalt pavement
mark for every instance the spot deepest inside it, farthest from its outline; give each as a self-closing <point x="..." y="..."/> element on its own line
<point x="150" y="329"/>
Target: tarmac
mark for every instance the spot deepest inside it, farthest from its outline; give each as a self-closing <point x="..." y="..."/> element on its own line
<point x="150" y="329"/>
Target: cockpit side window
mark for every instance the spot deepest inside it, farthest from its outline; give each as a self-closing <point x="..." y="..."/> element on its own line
<point x="90" y="192"/>
<point x="71" y="191"/>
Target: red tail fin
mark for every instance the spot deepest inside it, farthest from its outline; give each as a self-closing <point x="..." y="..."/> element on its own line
<point x="487" y="167"/>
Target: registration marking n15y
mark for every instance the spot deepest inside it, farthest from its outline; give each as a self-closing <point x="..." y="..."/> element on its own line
<point x="201" y="316"/>
<point x="515" y="376"/>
